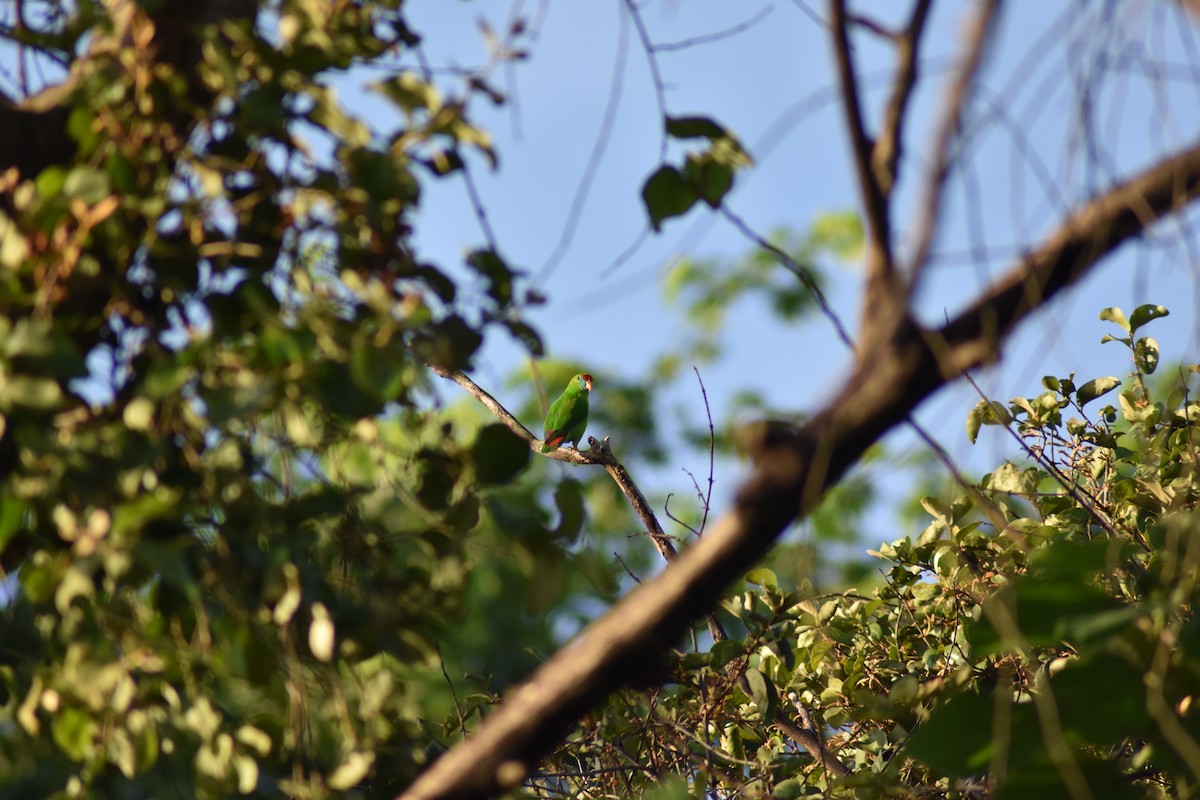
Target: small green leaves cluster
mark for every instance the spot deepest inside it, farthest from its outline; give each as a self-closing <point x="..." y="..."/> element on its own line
<point x="1036" y="639"/>
<point x="706" y="176"/>
<point x="1077" y="680"/>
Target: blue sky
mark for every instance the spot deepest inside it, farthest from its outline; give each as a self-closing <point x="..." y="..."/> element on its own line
<point x="582" y="130"/>
<point x="583" y="111"/>
<point x="1135" y="68"/>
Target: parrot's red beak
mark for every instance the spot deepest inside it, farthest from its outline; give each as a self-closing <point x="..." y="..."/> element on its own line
<point x="587" y="381"/>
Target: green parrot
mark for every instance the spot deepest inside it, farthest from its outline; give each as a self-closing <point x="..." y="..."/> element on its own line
<point x="567" y="418"/>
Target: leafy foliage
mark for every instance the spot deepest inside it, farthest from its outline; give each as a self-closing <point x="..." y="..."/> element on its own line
<point x="706" y="176"/>
<point x="1035" y="640"/>
<point x="247" y="550"/>
<point x="241" y="548"/>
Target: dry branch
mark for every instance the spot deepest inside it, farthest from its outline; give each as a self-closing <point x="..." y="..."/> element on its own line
<point x="889" y="143"/>
<point x="881" y="269"/>
<point x="889" y="381"/>
<point x="957" y="95"/>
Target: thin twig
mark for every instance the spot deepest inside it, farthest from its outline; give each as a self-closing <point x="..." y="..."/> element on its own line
<point x="603" y="137"/>
<point x="712" y="436"/>
<point x="943" y="144"/>
<point x="675" y="519"/>
<point x="625" y="566"/>
<point x="660" y="89"/>
<point x="871" y="26"/>
<point x="462" y="722"/>
<point x="709" y="38"/>
<point x="477" y="204"/>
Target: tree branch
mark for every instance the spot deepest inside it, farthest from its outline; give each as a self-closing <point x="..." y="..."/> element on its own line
<point x="601" y="453"/>
<point x="881" y="271"/>
<point x="791" y="472"/>
<point x="978" y="35"/>
<point x="889" y="143"/>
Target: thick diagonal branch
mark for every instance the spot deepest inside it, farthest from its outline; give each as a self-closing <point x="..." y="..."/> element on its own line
<point x="602" y="454"/>
<point x="791" y="473"/>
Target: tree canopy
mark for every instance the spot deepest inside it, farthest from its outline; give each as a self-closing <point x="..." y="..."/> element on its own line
<point x="267" y="529"/>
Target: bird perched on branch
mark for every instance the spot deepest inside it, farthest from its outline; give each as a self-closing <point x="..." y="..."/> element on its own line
<point x="567" y="419"/>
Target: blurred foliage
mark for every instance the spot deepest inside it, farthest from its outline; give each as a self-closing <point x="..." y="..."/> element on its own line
<point x="707" y="290"/>
<point x="241" y="549"/>
<point x="706" y="175"/>
<point x="246" y="549"/>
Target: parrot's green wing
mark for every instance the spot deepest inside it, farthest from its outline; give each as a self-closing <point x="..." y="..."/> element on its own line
<point x="567" y="419"/>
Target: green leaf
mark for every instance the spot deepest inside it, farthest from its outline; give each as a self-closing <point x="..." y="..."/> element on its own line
<point x="450" y="343"/>
<point x="88" y="184"/>
<point x="1095" y="388"/>
<point x="724" y="651"/>
<point x="408" y="92"/>
<point x="568" y="498"/>
<point x="957" y="737"/>
<point x="72" y="729"/>
<point x="1071" y="560"/>
<point x="527" y="336"/>
<point x="840" y="233"/>
<point x="380" y="370"/>
<point x="1145" y="354"/>
<point x="1121" y="715"/>
<point x="671" y="787"/>
<point x="1045" y="612"/>
<point x="499" y="454"/>
<point x="1115" y="316"/>
<point x="763" y="577"/>
<point x="12" y="511"/>
<point x="986" y="412"/>
<point x="667" y="193"/>
<point x="711" y="179"/>
<point x="498" y="274"/>
<point x="50" y="181"/>
<point x="762" y="692"/>
<point x="327" y="113"/>
<point x="695" y="128"/>
<point x="43" y="394"/>
<point x="1143" y="314"/>
<point x="789" y="789"/>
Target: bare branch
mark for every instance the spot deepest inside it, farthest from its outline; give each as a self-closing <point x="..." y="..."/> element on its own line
<point x="660" y="89"/>
<point x="978" y="35"/>
<point x="711" y="450"/>
<point x="709" y="38"/>
<point x="880" y="306"/>
<point x="889" y="144"/>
